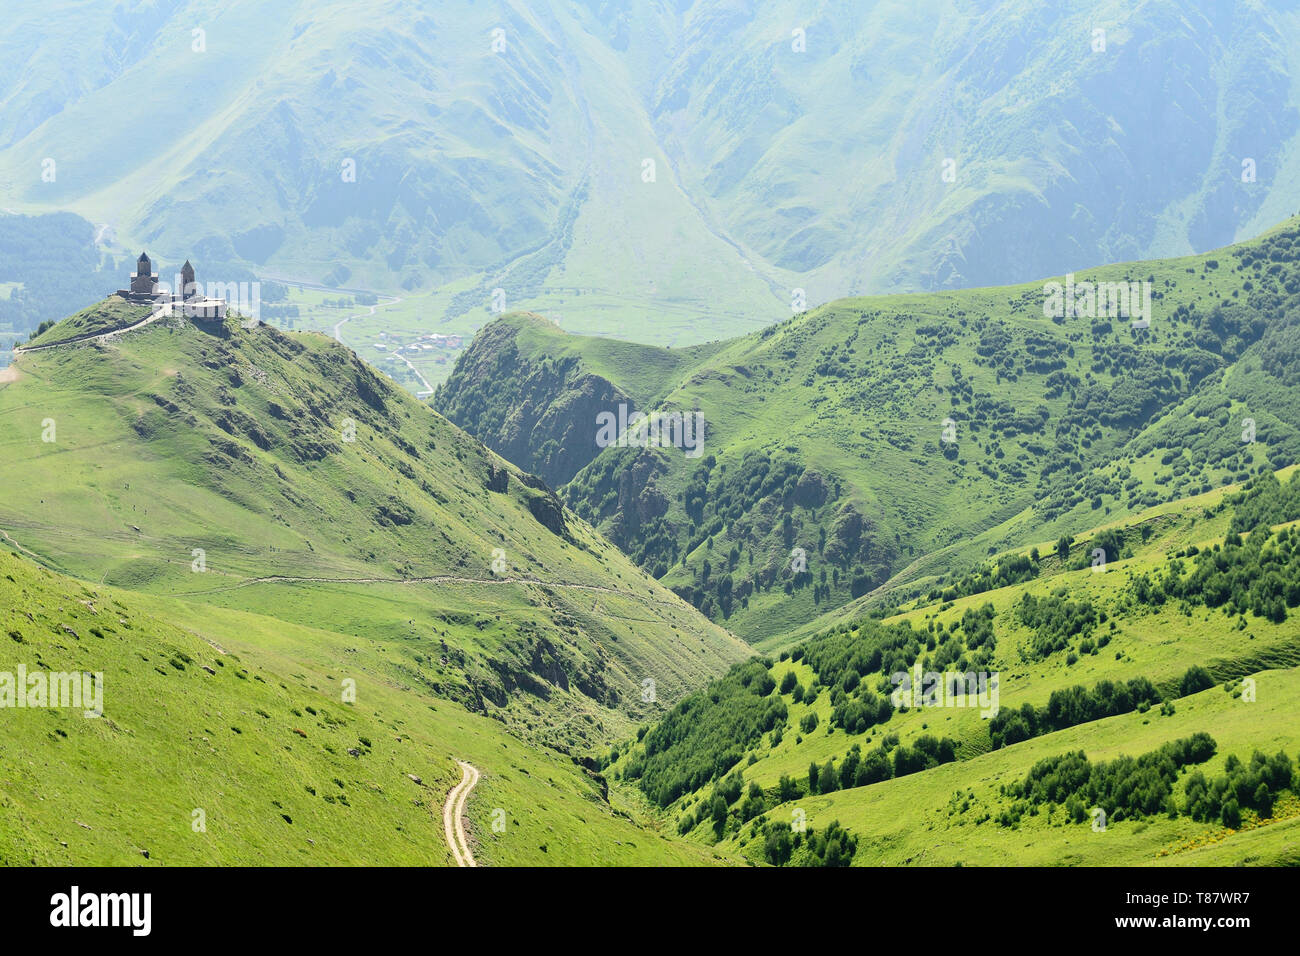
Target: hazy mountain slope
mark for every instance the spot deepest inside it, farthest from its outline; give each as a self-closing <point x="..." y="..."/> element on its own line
<point x="774" y="168"/>
<point x="827" y="432"/>
<point x="829" y="162"/>
<point x="1112" y="669"/>
<point x="269" y="101"/>
<point x="52" y="266"/>
<point x="225" y="740"/>
<point x="466" y="160"/>
<point x="276" y="473"/>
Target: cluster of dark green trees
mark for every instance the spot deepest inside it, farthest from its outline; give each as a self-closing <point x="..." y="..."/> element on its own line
<point x="719" y="498"/>
<point x="1263" y="502"/>
<point x="1079" y="705"/>
<point x="1259" y="575"/>
<point x="1056" y="621"/>
<point x="887" y="760"/>
<point x="1255" y="785"/>
<point x="1111" y="543"/>
<point x="845" y="659"/>
<point x="717" y="808"/>
<point x="767" y="504"/>
<point x="859" y="713"/>
<point x="783" y="845"/>
<point x="1129" y="787"/>
<point x="1013" y="569"/>
<point x="725" y="806"/>
<point x="715" y="497"/>
<point x="1067" y="708"/>
<point x="707" y="733"/>
<point x="1259" y="572"/>
<point x="1123" y="787"/>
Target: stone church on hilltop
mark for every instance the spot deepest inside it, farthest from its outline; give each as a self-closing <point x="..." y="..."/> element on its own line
<point x="189" y="300"/>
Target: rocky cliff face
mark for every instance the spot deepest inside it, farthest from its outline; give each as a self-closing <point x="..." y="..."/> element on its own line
<point x="540" y="415"/>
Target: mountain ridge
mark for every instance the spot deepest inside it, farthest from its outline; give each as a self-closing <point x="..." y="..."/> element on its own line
<point x="250" y="468"/>
<point x="867" y="422"/>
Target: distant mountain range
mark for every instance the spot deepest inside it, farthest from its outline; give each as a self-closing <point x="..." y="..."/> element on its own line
<point x="712" y="157"/>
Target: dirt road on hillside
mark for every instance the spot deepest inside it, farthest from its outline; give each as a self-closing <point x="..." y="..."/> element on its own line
<point x="453" y="815"/>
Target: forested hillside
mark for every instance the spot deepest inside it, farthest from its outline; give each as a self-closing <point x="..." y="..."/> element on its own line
<point x="911" y="432"/>
<point x="1155" y="687"/>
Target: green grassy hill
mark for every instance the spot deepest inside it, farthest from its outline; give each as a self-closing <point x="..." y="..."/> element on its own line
<point x="256" y="471"/>
<point x="225" y="739"/>
<point x="899" y="437"/>
<point x="106" y="316"/>
<point x="1188" y="627"/>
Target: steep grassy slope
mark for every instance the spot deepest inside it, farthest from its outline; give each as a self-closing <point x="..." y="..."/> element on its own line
<point x="947" y="816"/>
<point x="105" y="316"/>
<point x="872" y="433"/>
<point x="225" y="739"/>
<point x="1189" y="626"/>
<point x="273" y="473"/>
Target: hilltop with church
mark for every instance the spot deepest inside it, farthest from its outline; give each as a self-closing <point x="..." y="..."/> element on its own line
<point x="143" y="290"/>
<point x="145" y="300"/>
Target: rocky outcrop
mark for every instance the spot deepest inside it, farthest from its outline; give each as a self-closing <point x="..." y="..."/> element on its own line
<point x="498" y="479"/>
<point x="538" y="414"/>
<point x="549" y="512"/>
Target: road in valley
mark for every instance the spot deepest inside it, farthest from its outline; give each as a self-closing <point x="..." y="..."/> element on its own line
<point x="338" y="337"/>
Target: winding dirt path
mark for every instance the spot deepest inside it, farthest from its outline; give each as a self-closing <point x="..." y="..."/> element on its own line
<point x="437" y="579"/>
<point x="453" y="815"/>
